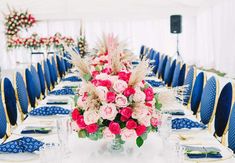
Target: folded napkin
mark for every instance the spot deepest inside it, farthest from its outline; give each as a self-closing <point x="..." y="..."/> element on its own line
<point x="202" y="152"/>
<point x="48" y="111"/>
<point x="64" y="91"/>
<point x="36" y="130"/>
<point x="135" y="62"/>
<point x="154" y="83"/>
<point x="180" y="123"/>
<point x="24" y="144"/>
<point x="176" y="112"/>
<point x="57" y="103"/>
<point x="151" y="75"/>
<point x="72" y="79"/>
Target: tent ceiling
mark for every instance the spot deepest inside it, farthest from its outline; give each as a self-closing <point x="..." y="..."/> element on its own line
<point x="76" y="9"/>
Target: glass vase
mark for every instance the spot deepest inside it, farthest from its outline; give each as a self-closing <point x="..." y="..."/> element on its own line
<point x="116" y="145"/>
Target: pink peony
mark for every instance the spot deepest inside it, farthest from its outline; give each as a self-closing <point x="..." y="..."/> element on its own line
<point x="139" y="96"/>
<point x="121" y="101"/>
<point x="140" y="130"/>
<point x="108" y="134"/>
<point x="127" y="134"/>
<point x="154" y="122"/>
<point x="95" y="73"/>
<point x="149" y="94"/>
<point x="145" y="120"/>
<point x="119" y="86"/>
<point x="107" y="70"/>
<point x="92" y="128"/>
<point x="102" y="91"/>
<point x="129" y="91"/>
<point x="126" y="112"/>
<point x="140" y="112"/>
<point x="123" y="119"/>
<point x="124" y="76"/>
<point x="90" y="117"/>
<point x="80" y="122"/>
<point x="75" y="114"/>
<point x="131" y="124"/>
<point x="108" y="111"/>
<point x="114" y="127"/>
<point x="110" y="97"/>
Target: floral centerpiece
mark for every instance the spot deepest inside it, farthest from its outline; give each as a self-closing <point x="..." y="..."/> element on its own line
<point x="115" y="102"/>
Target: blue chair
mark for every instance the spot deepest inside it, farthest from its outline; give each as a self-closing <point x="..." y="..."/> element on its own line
<point x="51" y="70"/>
<point x="31" y="88"/>
<point x="167" y="70"/>
<point x="189" y="81"/>
<point x="53" y="63"/>
<point x="9" y="98"/>
<point x="59" y="65"/>
<point x="231" y="130"/>
<point x="63" y="66"/>
<point x="142" y="49"/>
<point x="223" y="111"/>
<point x="182" y="75"/>
<point x="171" y="73"/>
<point x="162" y="67"/>
<point x="176" y="75"/>
<point x="41" y="78"/>
<point x="3" y="120"/>
<point x="47" y="75"/>
<point x="36" y="80"/>
<point x="21" y="95"/>
<point x="197" y="92"/>
<point x="156" y="63"/>
<point x="208" y="101"/>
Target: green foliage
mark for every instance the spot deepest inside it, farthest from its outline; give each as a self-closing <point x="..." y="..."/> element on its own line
<point x="87" y="77"/>
<point x="139" y="141"/>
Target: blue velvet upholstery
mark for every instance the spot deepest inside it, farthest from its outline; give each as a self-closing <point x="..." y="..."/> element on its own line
<point x="3" y="119"/>
<point x="63" y="66"/>
<point x="152" y="55"/>
<point x="231" y="130"/>
<point x="47" y="75"/>
<point x="171" y="73"/>
<point x="59" y="65"/>
<point x="167" y="70"/>
<point x="182" y="75"/>
<point x="162" y="67"/>
<point x="55" y="73"/>
<point x="30" y="87"/>
<point x="36" y="81"/>
<point x="223" y="109"/>
<point x="176" y="75"/>
<point x="197" y="92"/>
<point x="208" y="100"/>
<point x="68" y="56"/>
<point x="142" y="49"/>
<point x="156" y="63"/>
<point x="189" y="81"/>
<point x="10" y="100"/>
<point x="22" y="93"/>
<point x="41" y="78"/>
<point x="51" y="70"/>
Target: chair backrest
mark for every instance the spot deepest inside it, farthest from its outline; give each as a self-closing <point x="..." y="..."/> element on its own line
<point x="31" y="87"/>
<point x="21" y="93"/>
<point x="223" y="109"/>
<point x="8" y="96"/>
<point x="3" y="119"/>
<point x="182" y="75"/>
<point x="189" y="82"/>
<point x="197" y="92"/>
<point x="176" y="75"/>
<point x="167" y="70"/>
<point x="41" y="78"/>
<point x="59" y="65"/>
<point x="171" y="73"/>
<point x="36" y="81"/>
<point x="142" y="49"/>
<point x="63" y="66"/>
<point x="53" y="63"/>
<point x="231" y="129"/>
<point x="47" y="75"/>
<point x="156" y="63"/>
<point x="51" y="70"/>
<point x="162" y="67"/>
<point x="208" y="101"/>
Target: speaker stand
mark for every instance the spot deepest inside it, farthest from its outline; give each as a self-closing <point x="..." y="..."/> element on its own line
<point x="177" y="55"/>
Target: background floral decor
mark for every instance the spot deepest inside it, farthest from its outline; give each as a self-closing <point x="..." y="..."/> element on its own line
<point x="17" y="21"/>
<point x="82" y="45"/>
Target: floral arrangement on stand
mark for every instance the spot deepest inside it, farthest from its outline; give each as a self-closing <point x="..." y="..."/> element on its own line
<point x="82" y="45"/>
<point x="114" y="101"/>
<point x="16" y="21"/>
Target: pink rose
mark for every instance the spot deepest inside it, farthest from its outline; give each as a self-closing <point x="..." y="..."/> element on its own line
<point x="110" y="97"/>
<point x="140" y="112"/>
<point x="80" y="122"/>
<point x="139" y="96"/>
<point x="108" y="134"/>
<point x="127" y="134"/>
<point x="124" y="76"/>
<point x="107" y="70"/>
<point x="92" y="128"/>
<point x="102" y="91"/>
<point x="126" y="112"/>
<point x="154" y="122"/>
<point x="75" y="114"/>
<point x="145" y="120"/>
<point x="140" y="130"/>
<point x="90" y="117"/>
<point x="121" y="101"/>
<point x="123" y="119"/>
<point x="105" y="83"/>
<point x="119" y="86"/>
<point x="94" y="73"/>
<point x="149" y="94"/>
<point x="114" y="127"/>
<point x="129" y="91"/>
<point x="108" y="111"/>
<point x="102" y="76"/>
<point x="131" y="124"/>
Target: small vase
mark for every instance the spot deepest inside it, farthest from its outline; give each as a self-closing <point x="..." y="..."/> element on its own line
<point x="116" y="146"/>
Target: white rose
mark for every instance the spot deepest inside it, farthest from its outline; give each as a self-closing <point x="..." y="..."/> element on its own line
<point x="108" y="111"/>
<point x="91" y="117"/>
<point x="139" y="96"/>
<point x="121" y="101"/>
<point x="127" y="134"/>
<point x="119" y="86"/>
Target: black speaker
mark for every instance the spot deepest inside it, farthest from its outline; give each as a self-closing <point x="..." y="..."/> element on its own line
<point x="176" y="21"/>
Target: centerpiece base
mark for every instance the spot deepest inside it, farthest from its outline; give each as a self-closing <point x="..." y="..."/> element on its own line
<point x="116" y="146"/>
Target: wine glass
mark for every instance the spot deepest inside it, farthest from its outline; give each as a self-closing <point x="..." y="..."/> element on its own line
<point x="50" y="152"/>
